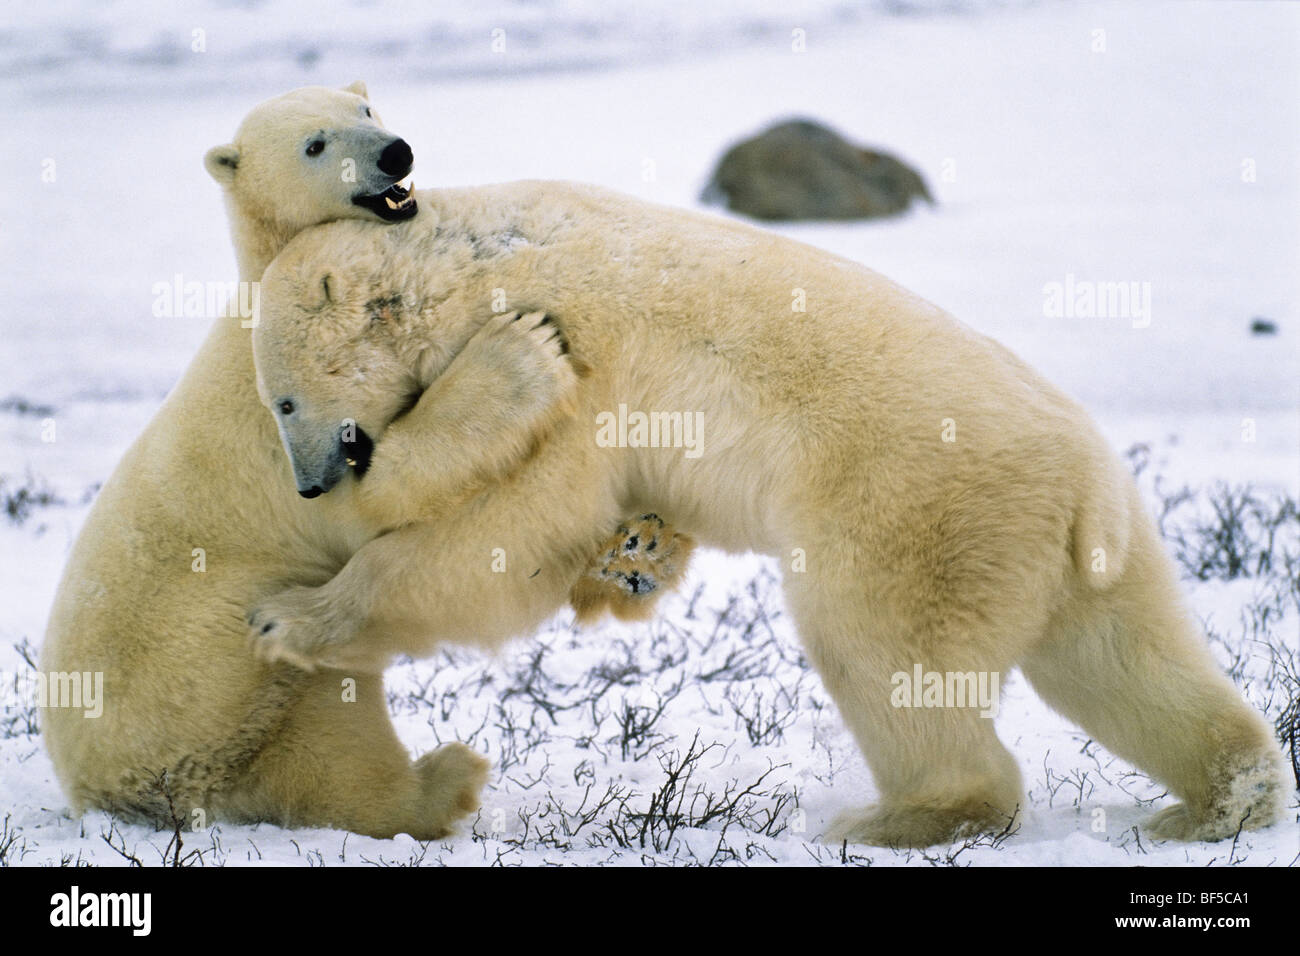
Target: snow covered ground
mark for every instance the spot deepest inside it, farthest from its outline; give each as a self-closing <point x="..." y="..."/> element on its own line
<point x="1146" y="143"/>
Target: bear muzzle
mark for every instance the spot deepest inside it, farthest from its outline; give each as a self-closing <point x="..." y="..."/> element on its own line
<point x="319" y="465"/>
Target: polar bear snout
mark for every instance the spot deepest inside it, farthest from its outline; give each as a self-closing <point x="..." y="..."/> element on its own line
<point x="382" y="193"/>
<point x="320" y="456"/>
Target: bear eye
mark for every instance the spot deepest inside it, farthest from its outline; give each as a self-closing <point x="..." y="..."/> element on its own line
<point x="367" y="111"/>
<point x="286" y="407"/>
<point x="316" y="148"/>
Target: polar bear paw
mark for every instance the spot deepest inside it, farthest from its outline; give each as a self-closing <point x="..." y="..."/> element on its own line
<point x="900" y="826"/>
<point x="1250" y="795"/>
<point x="1180" y="822"/>
<point x="528" y="353"/>
<point x="451" y="781"/>
<point x="644" y="558"/>
<point x="302" y="627"/>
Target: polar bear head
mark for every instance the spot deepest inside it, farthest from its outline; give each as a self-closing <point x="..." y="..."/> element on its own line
<point x="344" y="345"/>
<point x="312" y="155"/>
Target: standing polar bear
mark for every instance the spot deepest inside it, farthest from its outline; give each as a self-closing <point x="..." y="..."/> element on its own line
<point x="1021" y="542"/>
<point x="200" y="520"/>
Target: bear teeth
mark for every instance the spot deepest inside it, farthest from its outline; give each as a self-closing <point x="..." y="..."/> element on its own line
<point x="407" y="199"/>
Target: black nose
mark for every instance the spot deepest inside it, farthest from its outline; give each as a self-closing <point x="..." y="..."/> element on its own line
<point x="396" y="159"/>
<point x="315" y="491"/>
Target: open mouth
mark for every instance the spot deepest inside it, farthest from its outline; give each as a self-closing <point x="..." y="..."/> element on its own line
<point x="394" y="204"/>
<point x="358" y="451"/>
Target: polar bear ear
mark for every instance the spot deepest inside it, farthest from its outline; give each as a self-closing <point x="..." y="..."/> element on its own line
<point x="358" y="88"/>
<point x="322" y="290"/>
<point x="221" y="163"/>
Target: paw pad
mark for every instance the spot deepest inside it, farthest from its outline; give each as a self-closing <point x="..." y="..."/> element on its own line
<point x="637" y="564"/>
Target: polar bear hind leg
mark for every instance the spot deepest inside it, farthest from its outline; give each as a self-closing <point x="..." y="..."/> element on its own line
<point x="339" y="763"/>
<point x="1129" y="666"/>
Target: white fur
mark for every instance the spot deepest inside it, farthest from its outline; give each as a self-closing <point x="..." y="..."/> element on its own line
<point x="191" y="719"/>
<point x="824" y="431"/>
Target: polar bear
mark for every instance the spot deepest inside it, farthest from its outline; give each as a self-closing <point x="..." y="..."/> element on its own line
<point x="200" y="520"/>
<point x="308" y="156"/>
<point x="315" y="155"/>
<point x="957" y="513"/>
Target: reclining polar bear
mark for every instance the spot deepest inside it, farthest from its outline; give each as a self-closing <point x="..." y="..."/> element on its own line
<point x="957" y="513"/>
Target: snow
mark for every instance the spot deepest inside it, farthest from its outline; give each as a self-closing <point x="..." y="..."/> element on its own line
<point x="1048" y="159"/>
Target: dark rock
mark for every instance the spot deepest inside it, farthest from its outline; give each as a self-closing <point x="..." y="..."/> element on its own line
<point x="802" y="170"/>
<point x="21" y="406"/>
<point x="1262" y="326"/>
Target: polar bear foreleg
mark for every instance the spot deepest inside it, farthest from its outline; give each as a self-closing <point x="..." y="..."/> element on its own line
<point x="496" y="568"/>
